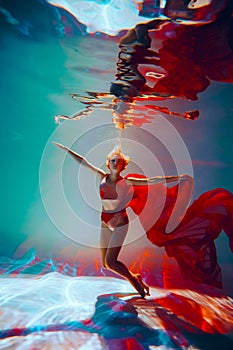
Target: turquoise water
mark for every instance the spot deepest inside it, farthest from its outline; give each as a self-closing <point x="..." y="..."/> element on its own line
<point x="37" y="75"/>
<point x="37" y="78"/>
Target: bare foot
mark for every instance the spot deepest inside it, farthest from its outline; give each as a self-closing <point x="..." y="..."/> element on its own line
<point x="143" y="284"/>
<point x="138" y="286"/>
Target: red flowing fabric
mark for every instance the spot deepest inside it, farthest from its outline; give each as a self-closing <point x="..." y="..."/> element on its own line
<point x="191" y="242"/>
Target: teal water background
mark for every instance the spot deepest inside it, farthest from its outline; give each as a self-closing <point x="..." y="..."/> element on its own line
<point x="36" y="79"/>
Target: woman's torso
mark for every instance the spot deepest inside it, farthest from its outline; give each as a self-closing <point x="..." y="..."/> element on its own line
<point x="115" y="197"/>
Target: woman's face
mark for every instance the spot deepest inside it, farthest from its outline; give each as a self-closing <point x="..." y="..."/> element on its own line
<point x="116" y="163"/>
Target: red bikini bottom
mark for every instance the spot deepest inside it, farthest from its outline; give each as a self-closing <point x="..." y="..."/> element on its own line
<point x="112" y="220"/>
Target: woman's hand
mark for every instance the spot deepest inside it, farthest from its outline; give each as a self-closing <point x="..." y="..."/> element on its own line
<point x="60" y="145"/>
<point x="185" y="177"/>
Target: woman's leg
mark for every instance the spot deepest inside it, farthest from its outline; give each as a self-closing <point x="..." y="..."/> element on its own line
<point x="104" y="241"/>
<point x="112" y="262"/>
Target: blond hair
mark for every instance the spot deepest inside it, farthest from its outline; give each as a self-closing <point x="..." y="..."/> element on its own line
<point x="117" y="151"/>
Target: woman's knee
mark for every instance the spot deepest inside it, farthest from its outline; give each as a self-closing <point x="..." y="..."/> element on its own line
<point x="110" y="263"/>
<point x="103" y="260"/>
<point x="104" y="265"/>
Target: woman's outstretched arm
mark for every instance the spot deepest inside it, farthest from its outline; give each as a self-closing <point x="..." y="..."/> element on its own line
<point x="80" y="159"/>
<point x="156" y="180"/>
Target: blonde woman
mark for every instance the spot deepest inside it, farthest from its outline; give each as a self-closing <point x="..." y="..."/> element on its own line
<point x="116" y="193"/>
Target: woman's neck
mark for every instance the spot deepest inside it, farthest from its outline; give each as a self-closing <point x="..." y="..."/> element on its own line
<point x="113" y="177"/>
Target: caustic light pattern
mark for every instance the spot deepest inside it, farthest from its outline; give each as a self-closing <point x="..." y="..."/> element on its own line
<point x="56" y="311"/>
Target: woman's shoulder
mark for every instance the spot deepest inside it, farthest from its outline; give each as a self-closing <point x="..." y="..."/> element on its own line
<point x="103" y="180"/>
<point x="135" y="176"/>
